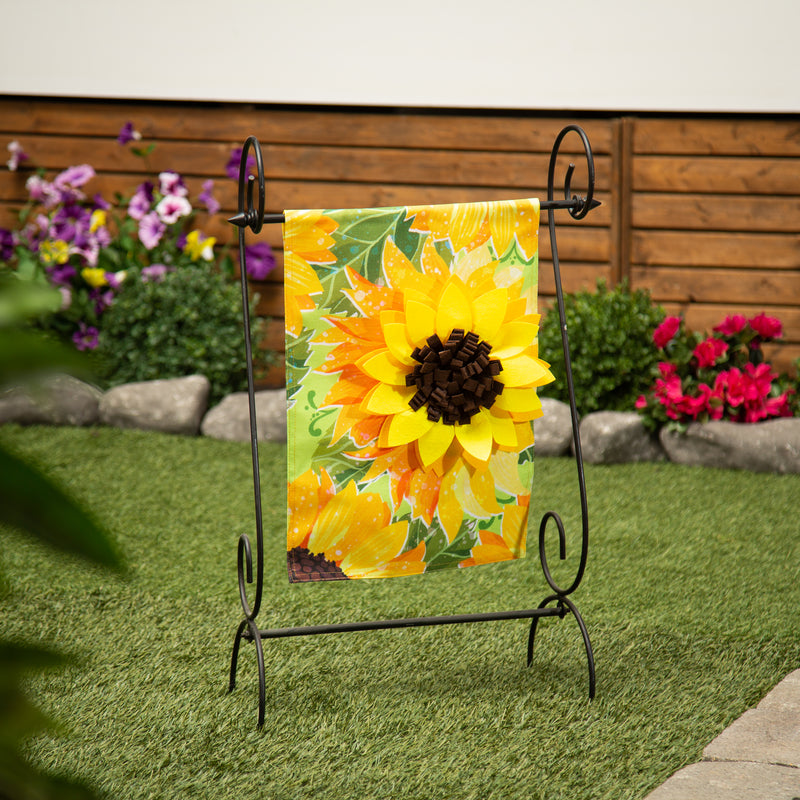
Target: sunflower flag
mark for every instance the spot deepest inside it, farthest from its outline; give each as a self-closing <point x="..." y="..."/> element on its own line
<point x="411" y="369"/>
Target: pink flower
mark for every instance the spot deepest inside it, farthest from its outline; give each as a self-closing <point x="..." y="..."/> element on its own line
<point x="72" y="177"/>
<point x="140" y="202"/>
<point x="709" y="351"/>
<point x="155" y="273"/>
<point x="172" y="183"/>
<point x="766" y="327"/>
<point x="641" y="402"/>
<point x="666" y="331"/>
<point x="151" y="229"/>
<point x="731" y="325"/>
<point x="172" y="207"/>
<point x="17" y="156"/>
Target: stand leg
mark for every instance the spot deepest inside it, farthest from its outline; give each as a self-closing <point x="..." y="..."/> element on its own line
<point x="562" y="602"/>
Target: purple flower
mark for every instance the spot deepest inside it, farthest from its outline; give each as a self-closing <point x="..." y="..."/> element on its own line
<point x="207" y="198"/>
<point x="128" y="134"/>
<point x="151" y="229"/>
<point x="6" y="244"/>
<point x="42" y="191"/>
<point x="85" y="338"/>
<point x="102" y="300"/>
<point x="140" y="202"/>
<point x="172" y="183"/>
<point x="61" y="274"/>
<point x="234" y="162"/>
<point x="73" y="177"/>
<point x="260" y="260"/>
<point x="172" y="207"/>
<point x="18" y="155"/>
<point x="99" y="203"/>
<point x="155" y="272"/>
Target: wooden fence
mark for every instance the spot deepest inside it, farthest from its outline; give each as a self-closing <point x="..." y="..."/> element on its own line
<point x="702" y="212"/>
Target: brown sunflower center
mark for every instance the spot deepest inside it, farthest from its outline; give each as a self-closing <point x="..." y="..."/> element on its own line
<point x="307" y="566"/>
<point x="455" y="379"/>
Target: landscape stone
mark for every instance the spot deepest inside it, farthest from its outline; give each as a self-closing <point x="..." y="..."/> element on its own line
<point x="52" y="400"/>
<point x="785" y="696"/>
<point x="770" y="446"/>
<point x="617" y="437"/>
<point x="230" y="420"/>
<point x="725" y="780"/>
<point x="766" y="735"/>
<point x="173" y="405"/>
<point x="553" y="430"/>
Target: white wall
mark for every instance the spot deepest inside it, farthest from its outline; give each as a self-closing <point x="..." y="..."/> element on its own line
<point x="682" y="55"/>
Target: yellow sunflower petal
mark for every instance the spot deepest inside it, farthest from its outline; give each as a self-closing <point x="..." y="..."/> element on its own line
<point x="502" y="221"/>
<point x="482" y="485"/>
<point x="433" y="444"/>
<point x="455" y="309"/>
<point x="476" y="437"/>
<point x="465" y="222"/>
<point x="405" y="427"/>
<point x="333" y="520"/>
<point x="299" y="276"/>
<point x="518" y="400"/>
<point x="432" y="263"/>
<point x="376" y="550"/>
<point x="383" y="368"/>
<point x="394" y="333"/>
<point x="388" y="399"/>
<point x="503" y="430"/>
<point x="515" y="528"/>
<point x="303" y="502"/>
<point x="522" y="370"/>
<point x="505" y="471"/>
<point x="420" y="321"/>
<point x="489" y="311"/>
<point x="400" y="272"/>
<point x="514" y="337"/>
<point x="449" y="507"/>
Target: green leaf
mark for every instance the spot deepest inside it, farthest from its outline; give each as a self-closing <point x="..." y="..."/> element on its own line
<point x="25" y="353"/>
<point x="31" y="502"/>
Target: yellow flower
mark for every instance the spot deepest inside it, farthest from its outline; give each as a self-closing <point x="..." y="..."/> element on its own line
<point x="449" y="367"/>
<point x="306" y="240"/>
<point x="98" y="220"/>
<point x="348" y="534"/>
<point x="472" y="224"/>
<point x="197" y="247"/>
<point x="94" y="276"/>
<point x="54" y="252"/>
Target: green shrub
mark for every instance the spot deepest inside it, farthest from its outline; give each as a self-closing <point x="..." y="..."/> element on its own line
<point x="611" y="347"/>
<point x="186" y="322"/>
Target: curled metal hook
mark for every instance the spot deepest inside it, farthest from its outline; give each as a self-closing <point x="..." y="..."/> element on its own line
<point x="579" y="206"/>
<point x="250" y="215"/>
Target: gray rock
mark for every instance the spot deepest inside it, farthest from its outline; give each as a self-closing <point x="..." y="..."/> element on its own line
<point x="230" y="420"/>
<point x="553" y="430"/>
<point x="174" y="405"/>
<point x="52" y="400"/>
<point x="785" y="696"/>
<point x="617" y="437"/>
<point x="771" y="446"/>
<point x="725" y="780"/>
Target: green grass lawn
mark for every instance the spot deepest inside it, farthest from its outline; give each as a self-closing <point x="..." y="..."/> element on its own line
<point x="690" y="597"/>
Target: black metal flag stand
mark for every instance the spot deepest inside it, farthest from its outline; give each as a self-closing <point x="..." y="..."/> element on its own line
<point x="558" y="603"/>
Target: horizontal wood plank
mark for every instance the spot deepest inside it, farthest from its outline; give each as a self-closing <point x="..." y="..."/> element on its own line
<point x="232" y="123"/>
<point x="704" y="175"/>
<point x="716" y="212"/>
<point x="701" y="285"/>
<point x="701" y="248"/>
<point x="737" y="136"/>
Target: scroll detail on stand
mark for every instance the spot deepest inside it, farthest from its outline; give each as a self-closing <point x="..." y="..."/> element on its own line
<point x="469" y="273"/>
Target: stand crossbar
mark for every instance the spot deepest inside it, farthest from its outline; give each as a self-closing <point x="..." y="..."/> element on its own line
<point x="252" y="215"/>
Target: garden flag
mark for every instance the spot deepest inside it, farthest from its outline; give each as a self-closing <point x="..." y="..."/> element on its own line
<point x="411" y="371"/>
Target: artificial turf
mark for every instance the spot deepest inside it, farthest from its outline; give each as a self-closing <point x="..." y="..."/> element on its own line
<point x="690" y="598"/>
